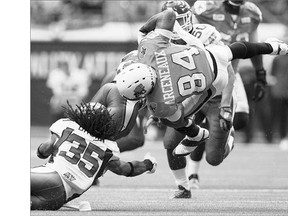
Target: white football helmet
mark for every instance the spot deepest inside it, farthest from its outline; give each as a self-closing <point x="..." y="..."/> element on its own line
<point x="135" y="81"/>
<point x="128" y="59"/>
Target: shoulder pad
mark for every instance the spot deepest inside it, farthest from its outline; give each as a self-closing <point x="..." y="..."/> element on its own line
<point x="201" y="6"/>
<point x="253" y="10"/>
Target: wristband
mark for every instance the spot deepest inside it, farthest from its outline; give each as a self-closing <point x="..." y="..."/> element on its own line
<point x="132" y="169"/>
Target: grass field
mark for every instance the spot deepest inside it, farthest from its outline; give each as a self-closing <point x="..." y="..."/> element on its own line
<point x="253" y="180"/>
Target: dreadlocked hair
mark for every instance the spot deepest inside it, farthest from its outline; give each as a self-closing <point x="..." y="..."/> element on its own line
<point x="96" y="121"/>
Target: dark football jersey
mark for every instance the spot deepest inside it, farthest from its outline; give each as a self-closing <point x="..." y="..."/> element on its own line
<point x="182" y="71"/>
<point x="231" y="30"/>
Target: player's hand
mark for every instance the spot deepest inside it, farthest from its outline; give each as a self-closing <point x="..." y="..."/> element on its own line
<point x="151" y="120"/>
<point x="148" y="156"/>
<point x="260" y="85"/>
<point x="225" y="117"/>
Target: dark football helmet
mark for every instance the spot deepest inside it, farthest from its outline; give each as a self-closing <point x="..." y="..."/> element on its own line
<point x="183" y="13"/>
<point x="233" y="6"/>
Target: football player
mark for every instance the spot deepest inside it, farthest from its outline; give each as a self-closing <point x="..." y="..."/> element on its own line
<point x="236" y="20"/>
<point x="80" y="150"/>
<point x="127" y="114"/>
<point x="217" y="113"/>
<point x="177" y="80"/>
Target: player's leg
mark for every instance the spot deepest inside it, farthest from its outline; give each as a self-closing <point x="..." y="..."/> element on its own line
<point x="244" y="50"/>
<point x="241" y="117"/>
<point x="195" y="157"/>
<point x="47" y="189"/>
<point x="177" y="164"/>
<point x="217" y="147"/>
<point x="195" y="136"/>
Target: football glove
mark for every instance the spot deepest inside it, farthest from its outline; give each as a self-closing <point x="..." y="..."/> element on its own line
<point x="151" y="120"/>
<point x="260" y="85"/>
<point x="225" y="117"/>
<point x="148" y="156"/>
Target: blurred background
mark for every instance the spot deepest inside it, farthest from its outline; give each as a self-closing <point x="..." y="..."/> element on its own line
<point x="75" y="43"/>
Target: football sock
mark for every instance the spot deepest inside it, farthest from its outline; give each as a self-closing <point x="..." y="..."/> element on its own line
<point x="192" y="166"/>
<point x="244" y="50"/>
<point x="181" y="177"/>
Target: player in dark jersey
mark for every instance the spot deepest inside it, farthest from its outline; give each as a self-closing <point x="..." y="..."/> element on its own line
<point x="217" y="113"/>
<point x="79" y="151"/>
<point x="125" y="113"/>
<point x="169" y="79"/>
<point x="236" y="20"/>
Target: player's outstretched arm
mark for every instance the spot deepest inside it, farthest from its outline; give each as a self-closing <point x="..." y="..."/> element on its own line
<point x="134" y="168"/>
<point x="45" y="149"/>
<point x="163" y="20"/>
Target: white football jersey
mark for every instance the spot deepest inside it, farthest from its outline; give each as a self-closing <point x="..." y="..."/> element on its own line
<point x="207" y="34"/>
<point x="78" y="156"/>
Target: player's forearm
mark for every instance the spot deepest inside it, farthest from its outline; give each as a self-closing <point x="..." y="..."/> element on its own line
<point x="150" y="24"/>
<point x="138" y="168"/>
<point x="45" y="149"/>
<point x="130" y="169"/>
<point x="227" y="91"/>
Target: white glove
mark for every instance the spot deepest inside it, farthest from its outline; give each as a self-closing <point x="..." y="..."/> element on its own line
<point x="148" y="156"/>
<point x="151" y="120"/>
<point x="225" y="117"/>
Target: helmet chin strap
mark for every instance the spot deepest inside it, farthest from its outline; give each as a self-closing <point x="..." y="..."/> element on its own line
<point x="231" y="7"/>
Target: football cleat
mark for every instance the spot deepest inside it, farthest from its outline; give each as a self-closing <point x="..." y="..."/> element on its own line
<point x="181" y="193"/>
<point x="194" y="181"/>
<point x="189" y="144"/>
<point x="279" y="47"/>
<point x="148" y="156"/>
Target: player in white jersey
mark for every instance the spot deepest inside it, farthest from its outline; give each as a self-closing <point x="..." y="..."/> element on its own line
<point x="80" y="151"/>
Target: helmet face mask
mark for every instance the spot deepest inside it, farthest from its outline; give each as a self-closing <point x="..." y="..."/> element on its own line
<point x="183" y="13"/>
<point x="236" y="2"/>
<point x="185" y="20"/>
<point x="233" y="6"/>
<point x="136" y="81"/>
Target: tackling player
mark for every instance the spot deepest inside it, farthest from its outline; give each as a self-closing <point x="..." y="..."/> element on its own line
<point x="80" y="151"/>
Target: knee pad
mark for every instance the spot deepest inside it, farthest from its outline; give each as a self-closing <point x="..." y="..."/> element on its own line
<point x="197" y="154"/>
<point x="175" y="162"/>
<point x="214" y="159"/>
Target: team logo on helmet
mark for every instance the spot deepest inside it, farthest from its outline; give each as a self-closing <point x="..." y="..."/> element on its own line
<point x="139" y="91"/>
